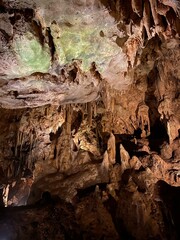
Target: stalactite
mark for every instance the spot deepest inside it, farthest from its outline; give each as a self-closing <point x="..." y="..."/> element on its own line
<point x="117" y="6"/>
<point x="132" y="45"/>
<point x="111" y="149"/>
<point x="69" y="111"/>
<point x="46" y="111"/>
<point x="143" y="119"/>
<point x="137" y="7"/>
<point x="39" y="18"/>
<point x="89" y="111"/>
<point x="31" y="140"/>
<point x="157" y="18"/>
<point x="174" y="4"/>
<point x="94" y="109"/>
<point x="82" y="111"/>
<point x="106" y="97"/>
<point x="20" y="164"/>
<point x="60" y="109"/>
<point x="147" y="19"/>
<point x="19" y="142"/>
<point x="162" y="9"/>
<point x="125" y="10"/>
<point x="10" y="170"/>
<point x="86" y="107"/>
<point x="173" y="126"/>
<point x="165" y="108"/>
<point x="64" y="112"/>
<point x="112" y="104"/>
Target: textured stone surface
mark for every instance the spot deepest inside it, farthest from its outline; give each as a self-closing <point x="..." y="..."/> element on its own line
<point x="89" y="113"/>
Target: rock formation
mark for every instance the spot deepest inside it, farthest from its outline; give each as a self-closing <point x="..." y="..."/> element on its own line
<point x="89" y="119"/>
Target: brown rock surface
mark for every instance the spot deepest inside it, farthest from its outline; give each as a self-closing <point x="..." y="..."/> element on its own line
<point x="90" y="119"/>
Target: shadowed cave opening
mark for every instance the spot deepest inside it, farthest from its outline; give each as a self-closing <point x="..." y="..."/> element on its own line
<point x="168" y="198"/>
<point x="158" y="136"/>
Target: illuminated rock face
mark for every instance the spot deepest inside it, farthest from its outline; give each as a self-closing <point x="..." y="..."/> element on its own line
<point x="89" y="114"/>
<point x="83" y="31"/>
<point x="53" y="35"/>
<point x="88" y="33"/>
<point x="31" y="55"/>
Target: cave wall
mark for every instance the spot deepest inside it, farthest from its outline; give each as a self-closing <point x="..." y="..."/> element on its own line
<point x="89" y="112"/>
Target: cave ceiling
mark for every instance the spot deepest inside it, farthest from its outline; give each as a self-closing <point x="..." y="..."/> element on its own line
<point x="58" y="52"/>
<point x="50" y="36"/>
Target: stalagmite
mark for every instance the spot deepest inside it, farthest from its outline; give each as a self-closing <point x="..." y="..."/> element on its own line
<point x="105" y="163"/>
<point x="135" y="163"/>
<point x="97" y="192"/>
<point x="82" y="83"/>
<point x="124" y="159"/>
<point x="5" y="195"/>
<point x="111" y="149"/>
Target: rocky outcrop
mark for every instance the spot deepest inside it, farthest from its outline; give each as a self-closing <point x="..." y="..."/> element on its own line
<point x="89" y="115"/>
